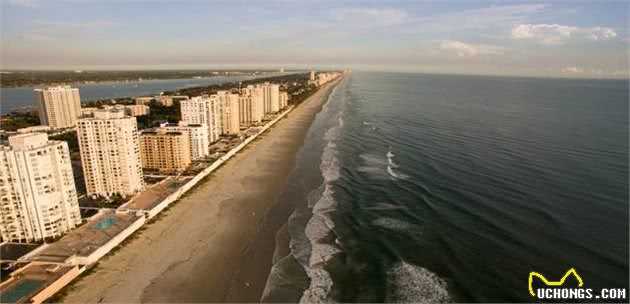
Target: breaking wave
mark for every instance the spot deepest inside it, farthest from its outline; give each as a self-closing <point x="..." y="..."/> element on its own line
<point x="319" y="229"/>
<point x="407" y="283"/>
<point x="392" y="165"/>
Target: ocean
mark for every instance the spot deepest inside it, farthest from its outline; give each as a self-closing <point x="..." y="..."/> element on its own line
<point x="23" y="98"/>
<point x="438" y="188"/>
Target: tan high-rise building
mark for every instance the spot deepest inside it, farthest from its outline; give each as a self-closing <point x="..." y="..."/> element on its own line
<point x="38" y="198"/>
<point x="230" y="121"/>
<point x="271" y="97"/>
<point x="198" y="137"/>
<point x="165" y="151"/>
<point x="203" y="110"/>
<point x="59" y="107"/>
<point x="284" y="99"/>
<point x="110" y="154"/>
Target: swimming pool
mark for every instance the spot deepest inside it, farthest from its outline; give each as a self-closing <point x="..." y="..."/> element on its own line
<point x="105" y="223"/>
<point x="24" y="288"/>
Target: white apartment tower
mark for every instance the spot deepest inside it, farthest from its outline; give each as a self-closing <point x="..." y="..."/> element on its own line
<point x="198" y="137"/>
<point x="230" y="121"/>
<point x="59" y="107"/>
<point x="38" y="198"/>
<point x="110" y="154"/>
<point x="311" y="76"/>
<point x="203" y="110"/>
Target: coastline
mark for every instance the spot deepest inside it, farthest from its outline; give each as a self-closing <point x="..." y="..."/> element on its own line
<point x="192" y="253"/>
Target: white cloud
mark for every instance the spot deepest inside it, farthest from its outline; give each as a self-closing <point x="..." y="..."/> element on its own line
<point x="479" y="18"/>
<point x="556" y="34"/>
<point x="572" y="69"/>
<point x="600" y="33"/>
<point x="462" y="49"/>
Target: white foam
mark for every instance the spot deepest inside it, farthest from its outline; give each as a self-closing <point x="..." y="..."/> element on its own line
<point x="373" y="165"/>
<point x="391" y="165"/>
<point x="410" y="283"/>
<point x="396" y="224"/>
<point x="320" y="225"/>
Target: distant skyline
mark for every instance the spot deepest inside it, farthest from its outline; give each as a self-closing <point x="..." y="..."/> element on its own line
<point x="549" y="39"/>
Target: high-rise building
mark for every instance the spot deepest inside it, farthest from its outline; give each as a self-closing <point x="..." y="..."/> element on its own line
<point x="284" y="99"/>
<point x="203" y="110"/>
<point x="38" y="198"/>
<point x="271" y="97"/>
<point x="59" y="107"/>
<point x="198" y="137"/>
<point x="230" y="121"/>
<point x="250" y="110"/>
<point x="251" y="105"/>
<point x="165" y="151"/>
<point x="311" y="76"/>
<point x="110" y="154"/>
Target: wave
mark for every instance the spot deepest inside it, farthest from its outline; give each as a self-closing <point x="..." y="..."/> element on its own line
<point x="319" y="229"/>
<point x="391" y="165"/>
<point x="373" y="165"/>
<point x="407" y="283"/>
<point x="369" y="124"/>
<point x="396" y="224"/>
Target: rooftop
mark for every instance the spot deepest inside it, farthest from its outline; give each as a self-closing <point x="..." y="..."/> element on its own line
<point x="86" y="239"/>
<point x="30" y="280"/>
<point x="154" y="195"/>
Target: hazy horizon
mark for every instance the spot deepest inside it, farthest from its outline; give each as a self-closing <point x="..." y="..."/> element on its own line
<point x="515" y="38"/>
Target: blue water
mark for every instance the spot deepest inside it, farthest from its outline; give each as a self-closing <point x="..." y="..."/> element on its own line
<point x="432" y="188"/>
<point x="105" y="223"/>
<point x="12" y="99"/>
<point x="26" y="287"/>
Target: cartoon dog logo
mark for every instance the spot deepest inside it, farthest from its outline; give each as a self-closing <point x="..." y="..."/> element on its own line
<point x="553" y="283"/>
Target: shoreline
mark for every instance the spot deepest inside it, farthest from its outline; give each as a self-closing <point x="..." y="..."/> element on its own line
<point x="192" y="253"/>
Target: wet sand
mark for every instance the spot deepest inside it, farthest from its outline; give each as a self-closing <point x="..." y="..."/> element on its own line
<point x="192" y="253"/>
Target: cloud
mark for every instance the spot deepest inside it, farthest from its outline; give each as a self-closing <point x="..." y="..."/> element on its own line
<point x="572" y="69"/>
<point x="479" y="18"/>
<point x="462" y="49"/>
<point x="556" y="34"/>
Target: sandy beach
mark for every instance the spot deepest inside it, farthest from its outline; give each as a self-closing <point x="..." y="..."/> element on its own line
<point x="194" y="250"/>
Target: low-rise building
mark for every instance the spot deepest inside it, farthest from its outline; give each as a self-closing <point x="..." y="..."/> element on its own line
<point x="131" y="110"/>
<point x="43" y="129"/>
<point x="145" y="100"/>
<point x="88" y="111"/>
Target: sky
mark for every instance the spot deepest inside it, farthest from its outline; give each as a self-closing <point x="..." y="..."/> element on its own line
<point x="527" y="38"/>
